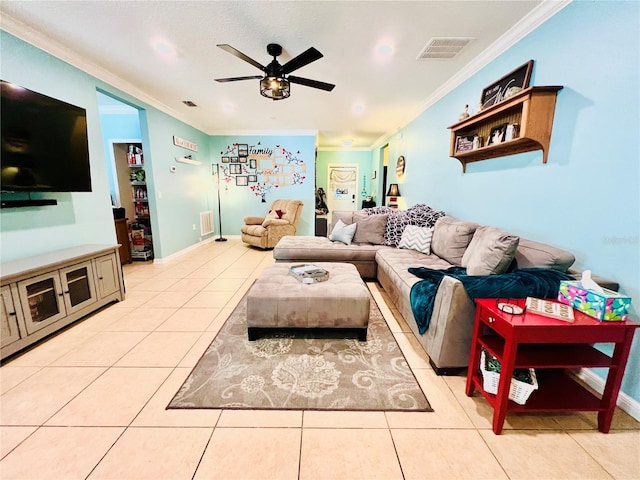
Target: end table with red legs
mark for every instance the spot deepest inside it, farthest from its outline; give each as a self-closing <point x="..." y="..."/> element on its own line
<point x="553" y="348"/>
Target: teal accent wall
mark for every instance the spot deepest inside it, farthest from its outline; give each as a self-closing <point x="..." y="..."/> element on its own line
<point x="585" y="199"/>
<point x="362" y="158"/>
<point x="84" y="218"/>
<point x="238" y="202"/>
<point x="79" y="218"/>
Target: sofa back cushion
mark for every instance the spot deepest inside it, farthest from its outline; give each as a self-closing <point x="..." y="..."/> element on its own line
<point x="536" y="254"/>
<point x="370" y="229"/>
<point x="491" y="251"/>
<point x="451" y="237"/>
<point x="345" y="216"/>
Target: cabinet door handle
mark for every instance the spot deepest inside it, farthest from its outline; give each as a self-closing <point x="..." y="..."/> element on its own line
<point x="100" y="278"/>
<point x="67" y="292"/>
<point x="491" y="319"/>
<point x="12" y="314"/>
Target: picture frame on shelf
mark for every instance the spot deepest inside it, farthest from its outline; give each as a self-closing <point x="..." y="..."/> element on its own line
<point x="235" y="169"/>
<point x="253" y="163"/>
<point x="243" y="150"/>
<point x="226" y="159"/>
<point x="497" y="134"/>
<point x="242" y="180"/>
<point x="242" y="159"/>
<point x="464" y="143"/>
<point x="252" y="178"/>
<point x="516" y="79"/>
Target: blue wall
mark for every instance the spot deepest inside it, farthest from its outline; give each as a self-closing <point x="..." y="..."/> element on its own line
<point x="84" y="218"/>
<point x="585" y="199"/>
<point x="240" y="201"/>
<point x="79" y="218"/>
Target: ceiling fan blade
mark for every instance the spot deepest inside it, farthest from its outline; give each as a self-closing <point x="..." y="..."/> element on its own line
<point x="235" y="79"/>
<point x="240" y="55"/>
<point x="311" y="83"/>
<point x="305" y="58"/>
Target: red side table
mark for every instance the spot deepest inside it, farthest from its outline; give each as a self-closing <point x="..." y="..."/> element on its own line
<point x="552" y="347"/>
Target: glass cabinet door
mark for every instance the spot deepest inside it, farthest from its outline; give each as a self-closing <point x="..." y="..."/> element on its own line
<point x="41" y="299"/>
<point x="9" y="331"/>
<point x="78" y="286"/>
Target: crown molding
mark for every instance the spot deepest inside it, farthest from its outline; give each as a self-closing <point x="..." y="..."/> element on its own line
<point x="37" y="39"/>
<point x="535" y="18"/>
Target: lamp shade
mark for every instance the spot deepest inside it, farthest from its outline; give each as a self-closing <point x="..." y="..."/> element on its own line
<point x="394" y="191"/>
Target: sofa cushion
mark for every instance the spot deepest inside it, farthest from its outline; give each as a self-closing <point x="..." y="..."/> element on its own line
<point x="370" y="228"/>
<point x="417" y="238"/>
<point x="536" y="254"/>
<point x="345" y="216"/>
<point x="490" y="251"/>
<point x="343" y="233"/>
<point x="451" y="237"/>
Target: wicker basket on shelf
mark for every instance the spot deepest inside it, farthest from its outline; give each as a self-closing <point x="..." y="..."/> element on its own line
<point x="519" y="391"/>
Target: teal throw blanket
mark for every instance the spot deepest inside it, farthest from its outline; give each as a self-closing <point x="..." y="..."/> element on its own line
<point x="525" y="282"/>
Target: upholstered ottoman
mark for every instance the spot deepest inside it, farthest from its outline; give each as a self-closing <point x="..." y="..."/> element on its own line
<point x="277" y="300"/>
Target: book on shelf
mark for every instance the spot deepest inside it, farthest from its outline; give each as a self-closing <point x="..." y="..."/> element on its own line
<point x="549" y="308"/>
<point x="307" y="273"/>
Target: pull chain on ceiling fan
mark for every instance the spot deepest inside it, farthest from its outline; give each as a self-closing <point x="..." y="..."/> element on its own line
<point x="275" y="83"/>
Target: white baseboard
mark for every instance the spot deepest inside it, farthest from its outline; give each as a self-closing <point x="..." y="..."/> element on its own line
<point x="179" y="253"/>
<point x="184" y="251"/>
<point x="625" y="402"/>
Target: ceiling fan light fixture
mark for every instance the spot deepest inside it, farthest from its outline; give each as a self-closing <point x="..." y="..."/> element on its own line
<point x="276" y="88"/>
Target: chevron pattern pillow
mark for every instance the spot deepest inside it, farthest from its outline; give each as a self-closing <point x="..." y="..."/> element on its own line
<point x="417" y="238"/>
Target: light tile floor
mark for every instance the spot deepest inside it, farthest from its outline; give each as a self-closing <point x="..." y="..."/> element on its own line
<point x="90" y="403"/>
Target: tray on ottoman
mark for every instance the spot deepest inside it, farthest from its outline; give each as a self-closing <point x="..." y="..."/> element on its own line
<point x="278" y="301"/>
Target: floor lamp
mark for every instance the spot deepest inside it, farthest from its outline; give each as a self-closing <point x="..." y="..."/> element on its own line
<point x="219" y="239"/>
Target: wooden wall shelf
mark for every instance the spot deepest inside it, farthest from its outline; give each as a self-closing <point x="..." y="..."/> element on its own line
<point x="532" y="110"/>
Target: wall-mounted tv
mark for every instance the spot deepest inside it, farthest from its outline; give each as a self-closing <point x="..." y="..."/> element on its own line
<point x="44" y="143"/>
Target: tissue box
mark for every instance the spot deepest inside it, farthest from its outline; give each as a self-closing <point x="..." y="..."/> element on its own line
<point x="606" y="306"/>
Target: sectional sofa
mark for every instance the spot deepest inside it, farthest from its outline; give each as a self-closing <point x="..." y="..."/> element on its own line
<point x="387" y="242"/>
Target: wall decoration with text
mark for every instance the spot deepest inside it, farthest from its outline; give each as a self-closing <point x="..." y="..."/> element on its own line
<point x="262" y="168"/>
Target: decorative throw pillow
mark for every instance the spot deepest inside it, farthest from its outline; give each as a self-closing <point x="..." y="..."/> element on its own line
<point x="491" y="251"/>
<point x="417" y="238"/>
<point x="423" y="215"/>
<point x="279" y="213"/>
<point x="396" y="223"/>
<point x="370" y="228"/>
<point x="451" y="237"/>
<point x="343" y="233"/>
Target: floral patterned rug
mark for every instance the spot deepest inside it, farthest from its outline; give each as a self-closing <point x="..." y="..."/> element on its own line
<point x="301" y="372"/>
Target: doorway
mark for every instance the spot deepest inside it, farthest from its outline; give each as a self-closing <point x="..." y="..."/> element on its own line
<point x="121" y="136"/>
<point x="342" y="190"/>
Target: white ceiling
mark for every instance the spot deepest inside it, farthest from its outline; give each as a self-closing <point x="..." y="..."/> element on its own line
<point x="374" y="94"/>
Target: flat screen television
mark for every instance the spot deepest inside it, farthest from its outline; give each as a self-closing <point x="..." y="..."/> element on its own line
<point x="44" y="143"/>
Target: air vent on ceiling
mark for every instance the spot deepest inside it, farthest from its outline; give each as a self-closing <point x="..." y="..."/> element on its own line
<point x="189" y="103"/>
<point x="443" y="47"/>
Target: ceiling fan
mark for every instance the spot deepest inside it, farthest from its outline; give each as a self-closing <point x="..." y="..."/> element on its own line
<point x="275" y="82"/>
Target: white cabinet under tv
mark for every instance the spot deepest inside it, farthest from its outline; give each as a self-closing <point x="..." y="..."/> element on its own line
<point x="44" y="293"/>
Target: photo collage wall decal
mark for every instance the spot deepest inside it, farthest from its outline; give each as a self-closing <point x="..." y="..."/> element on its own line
<point x="261" y="168"/>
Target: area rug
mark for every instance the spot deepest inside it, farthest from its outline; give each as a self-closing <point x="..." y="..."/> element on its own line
<point x="298" y="371"/>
